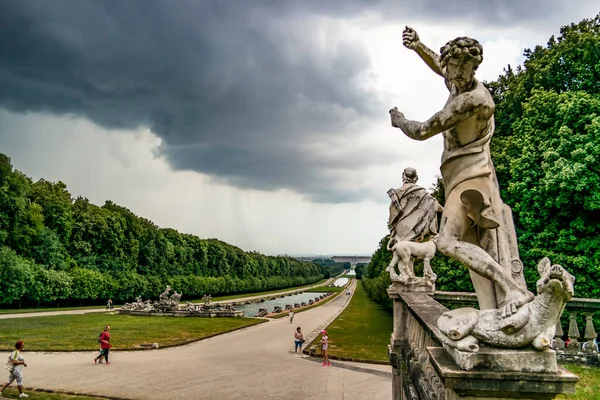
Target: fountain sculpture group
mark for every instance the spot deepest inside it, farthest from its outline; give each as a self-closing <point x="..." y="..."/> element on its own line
<point x="169" y="306"/>
<point x="476" y="228"/>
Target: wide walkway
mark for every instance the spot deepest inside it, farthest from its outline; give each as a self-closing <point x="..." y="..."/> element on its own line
<point x="103" y="309"/>
<point x="253" y="363"/>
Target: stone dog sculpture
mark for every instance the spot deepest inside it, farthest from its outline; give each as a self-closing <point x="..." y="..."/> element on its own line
<point x="534" y="323"/>
<point x="404" y="252"/>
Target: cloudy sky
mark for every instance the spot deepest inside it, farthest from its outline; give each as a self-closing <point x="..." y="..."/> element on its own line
<point x="261" y="123"/>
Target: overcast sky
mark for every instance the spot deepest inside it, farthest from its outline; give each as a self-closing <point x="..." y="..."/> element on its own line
<point x="262" y="123"/>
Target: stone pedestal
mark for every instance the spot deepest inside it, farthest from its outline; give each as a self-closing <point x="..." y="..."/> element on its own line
<point x="423" y="370"/>
<point x="505" y="360"/>
<point x="480" y="385"/>
<point x="412" y="284"/>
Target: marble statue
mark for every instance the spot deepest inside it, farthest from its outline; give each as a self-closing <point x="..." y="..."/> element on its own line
<point x="476" y="227"/>
<point x="412" y="220"/>
<point x="164" y="296"/>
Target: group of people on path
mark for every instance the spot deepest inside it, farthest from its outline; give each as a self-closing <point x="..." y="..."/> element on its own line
<point x="299" y="341"/>
<point x="16" y="361"/>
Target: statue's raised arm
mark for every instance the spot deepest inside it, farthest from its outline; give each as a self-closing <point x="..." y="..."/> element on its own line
<point x="410" y="40"/>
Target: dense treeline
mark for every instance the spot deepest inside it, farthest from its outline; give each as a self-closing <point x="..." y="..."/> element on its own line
<point x="546" y="150"/>
<point x="334" y="268"/>
<point x="56" y="249"/>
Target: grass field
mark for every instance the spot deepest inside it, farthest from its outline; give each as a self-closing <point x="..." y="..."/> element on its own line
<point x="12" y="393"/>
<point x="31" y="310"/>
<point x="588" y="387"/>
<point x="80" y="332"/>
<point x="362" y="330"/>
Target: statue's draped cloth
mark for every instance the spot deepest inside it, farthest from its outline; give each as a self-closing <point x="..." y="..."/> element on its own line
<point x="412" y="212"/>
<point x="468" y="173"/>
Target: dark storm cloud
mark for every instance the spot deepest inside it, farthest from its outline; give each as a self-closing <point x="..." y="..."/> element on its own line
<point x="233" y="88"/>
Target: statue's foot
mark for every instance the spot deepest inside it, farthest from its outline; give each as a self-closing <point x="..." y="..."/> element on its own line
<point x="431" y="276"/>
<point x="517" y="300"/>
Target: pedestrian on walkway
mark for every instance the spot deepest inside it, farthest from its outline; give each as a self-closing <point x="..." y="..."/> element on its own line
<point x="325" y="348"/>
<point x="109" y="304"/>
<point x="14" y="365"/>
<point x="104" y="345"/>
<point x="298" y="340"/>
<point x="291" y="316"/>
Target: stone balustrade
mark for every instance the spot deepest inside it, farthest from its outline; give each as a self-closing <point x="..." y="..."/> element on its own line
<point x="424" y="370"/>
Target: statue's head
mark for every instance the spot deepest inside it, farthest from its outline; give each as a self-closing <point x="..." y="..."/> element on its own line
<point x="410" y="175"/>
<point x="461" y="58"/>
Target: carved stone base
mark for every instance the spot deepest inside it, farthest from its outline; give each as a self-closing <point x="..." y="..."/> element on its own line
<point x="462" y="384"/>
<point x="505" y="360"/>
<point x="412" y="284"/>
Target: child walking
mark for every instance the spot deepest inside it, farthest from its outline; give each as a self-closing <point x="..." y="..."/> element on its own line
<point x="14" y="365"/>
<point x="324" y="348"/>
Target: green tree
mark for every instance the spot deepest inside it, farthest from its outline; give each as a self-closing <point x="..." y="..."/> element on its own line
<point x="15" y="275"/>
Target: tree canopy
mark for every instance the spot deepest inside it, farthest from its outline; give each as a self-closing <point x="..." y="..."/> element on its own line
<point x="56" y="249"/>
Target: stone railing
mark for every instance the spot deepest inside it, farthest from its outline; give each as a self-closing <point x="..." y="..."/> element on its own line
<point x="424" y="370"/>
<point x="580" y="348"/>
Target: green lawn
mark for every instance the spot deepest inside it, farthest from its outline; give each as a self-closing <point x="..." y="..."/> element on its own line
<point x="362" y="330"/>
<point x="80" y="332"/>
<point x="12" y="393"/>
<point x="31" y="310"/>
<point x="588" y="387"/>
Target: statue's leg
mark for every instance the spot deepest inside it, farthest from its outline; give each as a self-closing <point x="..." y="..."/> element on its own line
<point x="404" y="255"/>
<point x="427" y="271"/>
<point x="455" y="230"/>
<point x="390" y="268"/>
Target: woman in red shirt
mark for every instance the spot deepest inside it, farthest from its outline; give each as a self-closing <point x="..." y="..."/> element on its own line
<point x="104" y="345"/>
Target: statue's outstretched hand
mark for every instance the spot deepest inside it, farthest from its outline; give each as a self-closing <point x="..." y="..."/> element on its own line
<point x="410" y="39"/>
<point x="396" y="116"/>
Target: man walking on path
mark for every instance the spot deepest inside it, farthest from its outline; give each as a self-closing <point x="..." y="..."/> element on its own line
<point x="291" y="315"/>
<point x="104" y="345"/>
<point x="15" y="364"/>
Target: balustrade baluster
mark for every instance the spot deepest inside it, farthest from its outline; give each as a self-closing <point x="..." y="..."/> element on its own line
<point x="590" y="333"/>
<point x="573" y="332"/>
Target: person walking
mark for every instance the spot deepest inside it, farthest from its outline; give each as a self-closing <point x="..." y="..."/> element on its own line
<point x="14" y="365"/>
<point x="298" y="340"/>
<point x="291" y="316"/>
<point x="109" y="304"/>
<point x="104" y="345"/>
<point x="325" y="348"/>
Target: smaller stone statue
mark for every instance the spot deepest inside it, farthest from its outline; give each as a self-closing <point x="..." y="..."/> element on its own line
<point x="164" y="296"/>
<point x="207" y="298"/>
<point x="413" y="229"/>
<point x="175" y="298"/>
